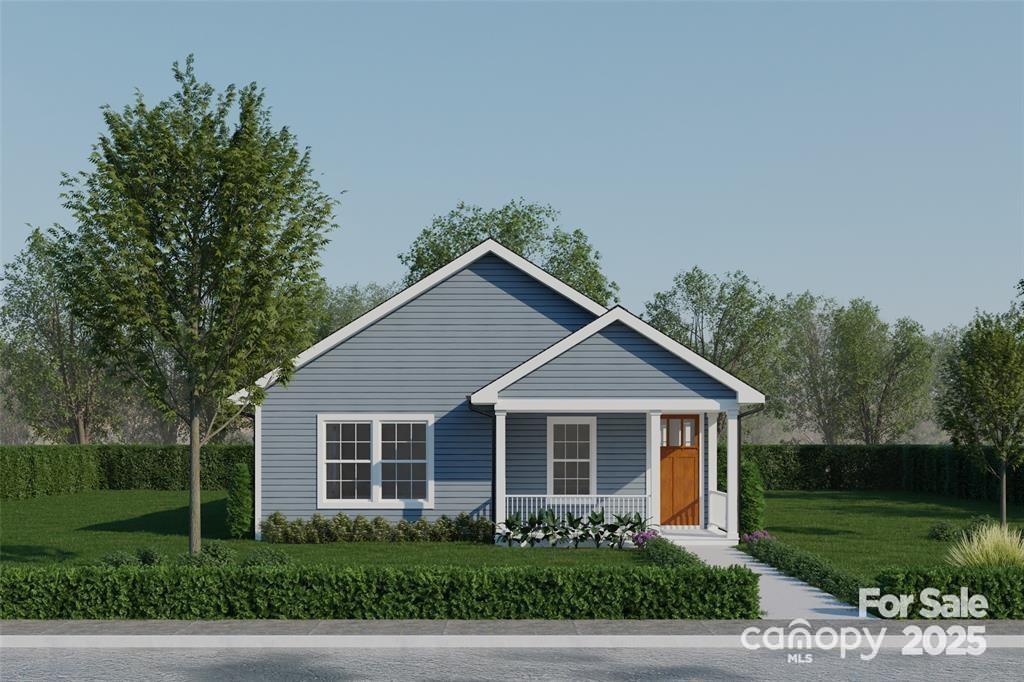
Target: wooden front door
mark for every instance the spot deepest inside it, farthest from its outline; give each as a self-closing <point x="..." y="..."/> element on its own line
<point x="680" y="465"/>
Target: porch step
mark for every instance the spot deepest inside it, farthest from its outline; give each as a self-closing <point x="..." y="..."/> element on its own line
<point x="699" y="536"/>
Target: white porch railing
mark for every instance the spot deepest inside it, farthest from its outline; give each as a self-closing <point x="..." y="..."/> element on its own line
<point x="577" y="505"/>
<point x="717" y="508"/>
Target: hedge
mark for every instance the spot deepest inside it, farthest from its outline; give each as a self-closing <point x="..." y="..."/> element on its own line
<point x="319" y="591"/>
<point x="35" y="470"/>
<point x="1003" y="587"/>
<point x="938" y="469"/>
<point x="806" y="566"/>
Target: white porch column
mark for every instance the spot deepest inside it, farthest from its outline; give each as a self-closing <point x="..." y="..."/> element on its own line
<point x="654" y="467"/>
<point x="712" y="450"/>
<point x="499" y="467"/>
<point x="733" y="474"/>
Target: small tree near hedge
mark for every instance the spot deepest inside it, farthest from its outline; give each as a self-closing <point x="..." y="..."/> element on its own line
<point x="751" y="497"/>
<point x="982" y="401"/>
<point x="240" y="511"/>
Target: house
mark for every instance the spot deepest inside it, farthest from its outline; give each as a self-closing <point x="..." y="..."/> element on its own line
<point x="493" y="388"/>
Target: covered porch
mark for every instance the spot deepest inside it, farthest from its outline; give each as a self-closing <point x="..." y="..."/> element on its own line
<point x="659" y="463"/>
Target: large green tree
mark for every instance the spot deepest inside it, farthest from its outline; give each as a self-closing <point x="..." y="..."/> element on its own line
<point x="982" y="399"/>
<point x="531" y="230"/>
<point x="813" y="395"/>
<point x="732" y="321"/>
<point x="199" y="232"/>
<point x="51" y="380"/>
<point x="341" y="305"/>
<point x="884" y="371"/>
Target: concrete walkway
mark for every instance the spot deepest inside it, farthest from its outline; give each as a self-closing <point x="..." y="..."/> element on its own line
<point x="782" y="597"/>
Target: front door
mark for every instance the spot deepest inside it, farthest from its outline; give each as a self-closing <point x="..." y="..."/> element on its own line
<point x="680" y="458"/>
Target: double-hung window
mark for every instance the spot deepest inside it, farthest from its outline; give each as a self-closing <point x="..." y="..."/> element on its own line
<point x="572" y="455"/>
<point x="382" y="461"/>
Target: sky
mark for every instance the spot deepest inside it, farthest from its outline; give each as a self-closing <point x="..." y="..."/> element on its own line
<point x="852" y="149"/>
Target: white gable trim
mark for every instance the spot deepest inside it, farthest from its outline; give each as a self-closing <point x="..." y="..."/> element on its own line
<point x="488" y="395"/>
<point x="484" y="248"/>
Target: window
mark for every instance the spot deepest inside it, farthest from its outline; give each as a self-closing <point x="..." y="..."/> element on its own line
<point x="380" y="461"/>
<point x="572" y="455"/>
<point x="678" y="432"/>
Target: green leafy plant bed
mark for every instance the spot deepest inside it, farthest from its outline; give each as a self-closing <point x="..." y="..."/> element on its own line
<point x="1002" y="587"/>
<point x="185" y="592"/>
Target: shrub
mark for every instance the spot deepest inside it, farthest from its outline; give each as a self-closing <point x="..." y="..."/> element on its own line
<point x="149" y="556"/>
<point x="239" y="506"/>
<point x="213" y="554"/>
<point x="120" y="558"/>
<point x="645" y="536"/>
<point x="751" y="497"/>
<point x="978" y="522"/>
<point x="278" y="529"/>
<point x="1000" y="586"/>
<point x="662" y="552"/>
<point x="944" y="531"/>
<point x="805" y="566"/>
<point x="320" y="591"/>
<point x="37" y="470"/>
<point x="991" y="545"/>
<point x="266" y="556"/>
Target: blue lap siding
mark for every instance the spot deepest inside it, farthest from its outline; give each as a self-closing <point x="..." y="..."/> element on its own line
<point x="621" y="454"/>
<point x="617" y="361"/>
<point x="424" y="357"/>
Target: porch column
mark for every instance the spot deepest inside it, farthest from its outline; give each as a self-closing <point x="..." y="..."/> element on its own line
<point x="654" y="467"/>
<point x="499" y="467"/>
<point x="712" y="450"/>
<point x="733" y="474"/>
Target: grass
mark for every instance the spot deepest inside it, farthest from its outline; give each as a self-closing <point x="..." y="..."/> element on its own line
<point x="82" y="528"/>
<point x="864" y="532"/>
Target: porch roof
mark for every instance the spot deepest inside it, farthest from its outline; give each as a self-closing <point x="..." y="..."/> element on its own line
<point x="618" y="362"/>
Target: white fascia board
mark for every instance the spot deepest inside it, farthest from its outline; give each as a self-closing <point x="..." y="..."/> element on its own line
<point x="401" y="298"/>
<point x="488" y="395"/>
<point x="605" y="405"/>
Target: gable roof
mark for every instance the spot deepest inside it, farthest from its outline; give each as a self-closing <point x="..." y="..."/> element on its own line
<point x="488" y="246"/>
<point x="488" y="395"/>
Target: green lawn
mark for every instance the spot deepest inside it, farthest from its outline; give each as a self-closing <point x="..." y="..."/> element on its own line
<point x="867" y="531"/>
<point x="81" y="528"/>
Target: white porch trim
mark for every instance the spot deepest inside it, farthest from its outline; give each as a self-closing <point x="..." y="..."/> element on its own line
<point x="733" y="474"/>
<point x="500" y="513"/>
<point x="257" y="473"/>
<point x="654" y="465"/>
<point x="592" y="405"/>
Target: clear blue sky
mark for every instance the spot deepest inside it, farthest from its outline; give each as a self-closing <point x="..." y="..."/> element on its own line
<point x="852" y="149"/>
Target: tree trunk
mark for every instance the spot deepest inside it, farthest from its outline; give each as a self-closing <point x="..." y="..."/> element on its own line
<point x="81" y="433"/>
<point x="194" y="490"/>
<point x="1002" y="492"/>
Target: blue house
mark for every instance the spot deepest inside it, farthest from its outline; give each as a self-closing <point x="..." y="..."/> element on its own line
<point x="493" y="388"/>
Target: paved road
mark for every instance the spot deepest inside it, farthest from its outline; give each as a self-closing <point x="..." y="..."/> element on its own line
<point x="487" y="664"/>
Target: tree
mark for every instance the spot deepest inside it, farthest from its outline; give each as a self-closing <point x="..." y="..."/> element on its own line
<point x="884" y="372"/>
<point x="51" y="381"/>
<point x="528" y="229"/>
<point x="812" y="392"/>
<point x="199" y="241"/>
<point x="731" y="321"/>
<point x="343" y="304"/>
<point x="982" y="401"/>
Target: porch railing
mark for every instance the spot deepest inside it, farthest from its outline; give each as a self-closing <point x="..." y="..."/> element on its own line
<point x="717" y="502"/>
<point x="577" y="505"/>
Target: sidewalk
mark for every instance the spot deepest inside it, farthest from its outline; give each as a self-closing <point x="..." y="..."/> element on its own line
<point x="782" y="597"/>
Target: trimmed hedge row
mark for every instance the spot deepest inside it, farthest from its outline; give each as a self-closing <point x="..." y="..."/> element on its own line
<point x="35" y="470"/>
<point x="665" y="553"/>
<point x="806" y="566"/>
<point x="940" y="469"/>
<point x="316" y="591"/>
<point x="1003" y="587"/>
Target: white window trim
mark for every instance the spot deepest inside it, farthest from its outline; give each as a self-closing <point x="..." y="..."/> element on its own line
<point x="590" y="421"/>
<point x="375" y="501"/>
